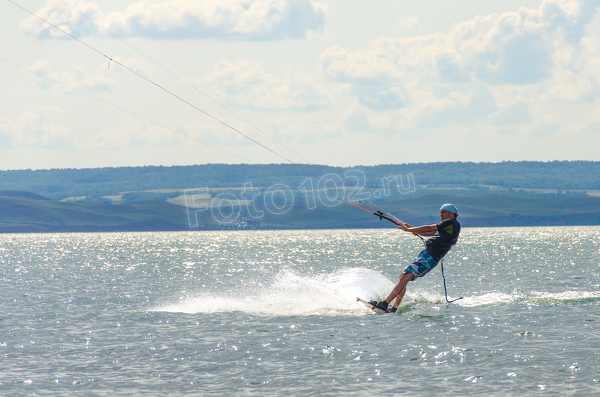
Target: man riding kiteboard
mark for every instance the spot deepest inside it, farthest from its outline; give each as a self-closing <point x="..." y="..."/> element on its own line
<point x="444" y="236"/>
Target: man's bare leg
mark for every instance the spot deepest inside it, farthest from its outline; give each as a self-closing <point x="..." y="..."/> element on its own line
<point x="400" y="288"/>
<point x="399" y="298"/>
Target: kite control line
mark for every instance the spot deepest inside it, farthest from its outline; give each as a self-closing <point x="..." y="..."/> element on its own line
<point x="445" y="290"/>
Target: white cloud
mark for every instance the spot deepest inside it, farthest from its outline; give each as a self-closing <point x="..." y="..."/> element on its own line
<point x="137" y="65"/>
<point x="385" y="59"/>
<point x="245" y="85"/>
<point x="381" y="96"/>
<point x="451" y="78"/>
<point x="509" y="48"/>
<point x="65" y="18"/>
<point x="184" y="19"/>
<point x="6" y="132"/>
<point x="78" y="77"/>
<point x="376" y="74"/>
<point x="33" y="129"/>
<point x="230" y="19"/>
<point x="532" y="74"/>
<point x="576" y="77"/>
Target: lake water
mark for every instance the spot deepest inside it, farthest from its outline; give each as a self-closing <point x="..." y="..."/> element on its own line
<point x="274" y="313"/>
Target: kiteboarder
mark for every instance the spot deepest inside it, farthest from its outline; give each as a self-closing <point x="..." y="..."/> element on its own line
<point x="443" y="236"/>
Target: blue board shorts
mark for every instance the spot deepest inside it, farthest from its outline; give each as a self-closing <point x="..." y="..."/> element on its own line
<point x="422" y="265"/>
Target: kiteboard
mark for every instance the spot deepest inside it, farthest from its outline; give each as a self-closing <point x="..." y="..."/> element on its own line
<point x="370" y="306"/>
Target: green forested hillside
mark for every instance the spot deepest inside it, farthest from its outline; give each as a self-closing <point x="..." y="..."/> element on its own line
<point x="20" y="214"/>
<point x="452" y="178"/>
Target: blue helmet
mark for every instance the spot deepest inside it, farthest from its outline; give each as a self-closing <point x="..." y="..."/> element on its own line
<point x="450" y="207"/>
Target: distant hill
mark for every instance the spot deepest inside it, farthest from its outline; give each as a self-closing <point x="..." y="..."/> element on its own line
<point x="17" y="193"/>
<point x="21" y="214"/>
<point x="27" y="215"/>
<point x="524" y="178"/>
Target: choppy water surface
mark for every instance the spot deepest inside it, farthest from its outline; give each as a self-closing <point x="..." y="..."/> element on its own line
<point x="274" y="313"/>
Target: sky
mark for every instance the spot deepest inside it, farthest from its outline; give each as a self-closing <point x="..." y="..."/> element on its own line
<point x="335" y="82"/>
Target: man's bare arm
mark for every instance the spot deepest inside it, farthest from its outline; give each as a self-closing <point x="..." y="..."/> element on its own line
<point x="425" y="230"/>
